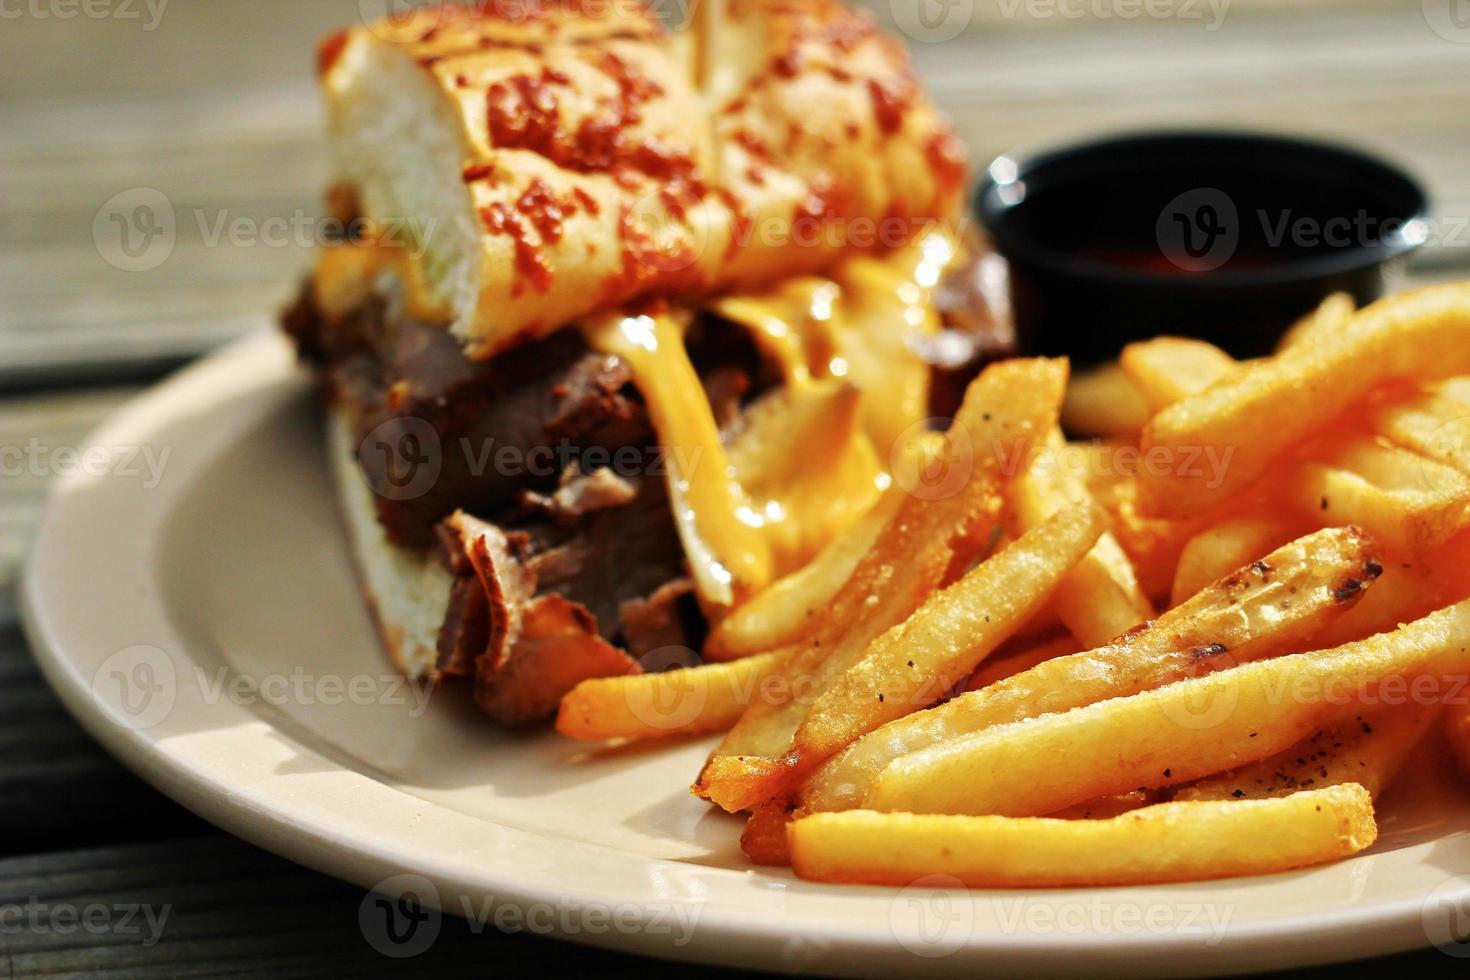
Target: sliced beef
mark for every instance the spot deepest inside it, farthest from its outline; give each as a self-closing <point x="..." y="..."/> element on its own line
<point x="498" y="427"/>
<point x="537" y="645"/>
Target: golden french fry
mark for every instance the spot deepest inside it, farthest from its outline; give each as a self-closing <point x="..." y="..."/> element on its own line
<point x="1260" y="416"/>
<point x="1012" y="659"/>
<point x="1166" y="369"/>
<point x="1430" y="425"/>
<point x="1457" y="730"/>
<point x="1230" y="544"/>
<point x="1105" y="467"/>
<point x="1010" y="406"/>
<point x="1330" y="316"/>
<point x="1153" y="545"/>
<point x="1100" y="598"/>
<point x="1407" y="590"/>
<point x="788" y="609"/>
<point x="1178" y="733"/>
<point x="691" y="701"/>
<point x="1262" y="610"/>
<point x="1163" y="843"/>
<point x="1103" y="402"/>
<point x="1412" y="504"/>
<point x="916" y="662"/>
<point x="1369" y="749"/>
<point x="764" y="837"/>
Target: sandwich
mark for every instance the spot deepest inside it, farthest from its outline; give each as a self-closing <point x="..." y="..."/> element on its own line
<point x="626" y="324"/>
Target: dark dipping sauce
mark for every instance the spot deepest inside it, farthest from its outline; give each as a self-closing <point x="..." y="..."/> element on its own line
<point x="1225" y="237"/>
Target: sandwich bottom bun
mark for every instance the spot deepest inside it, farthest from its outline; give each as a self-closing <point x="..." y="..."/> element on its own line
<point x="407" y="591"/>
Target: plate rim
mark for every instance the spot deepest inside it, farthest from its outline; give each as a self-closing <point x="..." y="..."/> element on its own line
<point x="726" y="933"/>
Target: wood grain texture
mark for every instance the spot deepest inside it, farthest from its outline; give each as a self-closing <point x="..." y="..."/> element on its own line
<point x="215" y="108"/>
<point x="222" y="908"/>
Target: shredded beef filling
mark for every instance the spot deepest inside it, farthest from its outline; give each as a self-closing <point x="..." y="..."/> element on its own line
<point x="570" y="565"/>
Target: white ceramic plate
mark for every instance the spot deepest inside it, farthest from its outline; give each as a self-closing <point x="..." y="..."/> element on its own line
<point x="207" y="629"/>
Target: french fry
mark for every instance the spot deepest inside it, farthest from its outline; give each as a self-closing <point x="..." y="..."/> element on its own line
<point x="916" y="662"/>
<point x="764" y="837"/>
<point x="691" y="701"/>
<point x="1262" y="610"/>
<point x="1006" y="409"/>
<point x="1153" y="545"/>
<point x="1103" y="402"/>
<point x="1011" y="660"/>
<point x="1407" y="590"/>
<point x="1230" y="544"/>
<point x="1261" y="415"/>
<point x="1412" y="504"/>
<point x="1430" y="425"/>
<point x="1330" y="316"/>
<point x="1457" y="731"/>
<point x="1166" y="369"/>
<point x="1369" y="749"/>
<point x="1105" y="467"/>
<point x="1100" y="598"/>
<point x="1157" y="844"/>
<point x="1178" y="733"/>
<point x="783" y="613"/>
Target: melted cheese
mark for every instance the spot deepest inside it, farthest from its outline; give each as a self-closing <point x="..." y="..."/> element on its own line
<point x="809" y="461"/>
<point x="719" y="530"/>
<point x="347" y="274"/>
<point x="859" y="324"/>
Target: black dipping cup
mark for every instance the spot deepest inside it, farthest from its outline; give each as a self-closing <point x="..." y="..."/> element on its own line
<point x="1221" y="236"/>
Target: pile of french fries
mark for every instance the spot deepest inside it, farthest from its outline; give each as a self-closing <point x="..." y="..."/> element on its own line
<point x="1199" y="641"/>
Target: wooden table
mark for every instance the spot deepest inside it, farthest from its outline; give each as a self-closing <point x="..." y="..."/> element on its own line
<point x="212" y="106"/>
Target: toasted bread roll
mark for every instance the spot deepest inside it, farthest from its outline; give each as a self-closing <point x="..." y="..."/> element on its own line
<point x="543" y="161"/>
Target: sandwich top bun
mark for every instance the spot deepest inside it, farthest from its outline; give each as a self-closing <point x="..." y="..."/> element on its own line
<point x="542" y="160"/>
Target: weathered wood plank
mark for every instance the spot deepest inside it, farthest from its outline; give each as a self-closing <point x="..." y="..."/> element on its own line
<point x="215" y="108"/>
